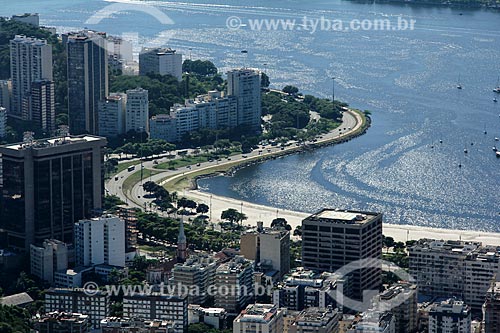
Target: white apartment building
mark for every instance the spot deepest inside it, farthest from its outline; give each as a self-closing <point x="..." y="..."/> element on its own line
<point x="316" y="320"/>
<point x="454" y="269"/>
<point x="450" y="316"/>
<point x="161" y="61"/>
<point x="30" y="60"/>
<point x="259" y="318"/>
<point x="373" y="322"/>
<point x="137" y="116"/>
<point x="3" y="122"/>
<point x="96" y="306"/>
<point x="100" y="241"/>
<point x="214" y="317"/>
<point x="163" y="127"/>
<point x="198" y="270"/>
<point x="28" y="18"/>
<point x="111" y="115"/>
<point x="5" y="92"/>
<point x="235" y="277"/>
<point x="245" y="85"/>
<point x="160" y="307"/>
<point x="49" y="258"/>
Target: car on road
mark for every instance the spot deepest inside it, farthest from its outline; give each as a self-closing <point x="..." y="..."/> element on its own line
<point x="198" y="164"/>
<point x="116" y="178"/>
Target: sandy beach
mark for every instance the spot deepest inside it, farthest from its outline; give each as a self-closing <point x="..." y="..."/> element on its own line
<point x="401" y="233"/>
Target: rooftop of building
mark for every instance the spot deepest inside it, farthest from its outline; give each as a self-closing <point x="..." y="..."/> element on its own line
<point x="196" y="261"/>
<point x="16" y="299"/>
<point x="26" y="39"/>
<point x="450" y="306"/>
<point x="235" y="265"/>
<point x="494" y="291"/>
<point x="256" y="313"/>
<point x="344" y="216"/>
<point x="471" y="250"/>
<point x="75" y="291"/>
<point x="110" y="322"/>
<point x="316" y="316"/>
<point x="43" y="144"/>
<point x="398" y="289"/>
<point x="158" y="50"/>
<point x="60" y="317"/>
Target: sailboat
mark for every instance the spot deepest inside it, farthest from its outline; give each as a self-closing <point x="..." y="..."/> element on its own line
<point x="497" y="88"/>
<point x="459" y="85"/>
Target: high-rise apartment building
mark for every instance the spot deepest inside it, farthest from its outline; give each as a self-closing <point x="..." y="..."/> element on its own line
<point x="111" y="115"/>
<point x="268" y="246"/>
<point x="3" y="122"/>
<point x="96" y="306"/>
<point x="160" y="307"/>
<point x="49" y="258"/>
<point x="160" y="61"/>
<point x="100" y="241"/>
<point x="454" y="269"/>
<point x="137" y="117"/>
<point x="5" y="94"/>
<point x="401" y="300"/>
<point x="245" y="85"/>
<point x="491" y="309"/>
<point x="87" y="80"/>
<point x="259" y="318"/>
<point x="235" y="276"/>
<point x="48" y="185"/>
<point x="41" y="104"/>
<point x="316" y="320"/>
<point x="450" y="316"/>
<point x="30" y="60"/>
<point x="332" y="239"/>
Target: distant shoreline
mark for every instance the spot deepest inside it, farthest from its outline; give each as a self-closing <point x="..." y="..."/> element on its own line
<point x="443" y="4"/>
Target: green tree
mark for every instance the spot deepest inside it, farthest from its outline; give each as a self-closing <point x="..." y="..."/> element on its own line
<point x="290" y="90"/>
<point x="202" y="208"/>
<point x="233" y="216"/>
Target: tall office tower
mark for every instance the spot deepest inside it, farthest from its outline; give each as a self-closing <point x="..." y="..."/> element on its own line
<point x="244" y="84"/>
<point x="450" y="316"/>
<point x="5" y="92"/>
<point x="3" y="122"/>
<point x="47" y="186"/>
<point x="491" y="309"/>
<point x="137" y="117"/>
<point x="87" y="80"/>
<point x="268" y="246"/>
<point x="111" y="115"/>
<point x="49" y="258"/>
<point x="30" y="60"/>
<point x="158" y="306"/>
<point x="236" y="276"/>
<point x="100" y="241"/>
<point x="160" y="61"/>
<point x="332" y="239"/>
<point x="42" y="105"/>
<point x="454" y="269"/>
<point x="96" y="306"/>
<point x="259" y="318"/>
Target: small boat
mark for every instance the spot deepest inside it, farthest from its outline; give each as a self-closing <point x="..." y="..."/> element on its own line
<point x="459" y="85"/>
<point x="497" y="89"/>
<point x="466" y="151"/>
<point x="440" y="141"/>
<point x="496" y="139"/>
<point x="495" y="148"/>
<point x="495" y="100"/>
<point x="498" y="154"/>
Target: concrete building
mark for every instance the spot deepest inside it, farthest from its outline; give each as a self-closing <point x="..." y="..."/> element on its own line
<point x="135" y="325"/>
<point x="100" y="241"/>
<point x="41" y="105"/>
<point x="491" y="309"/>
<point x="5" y="94"/>
<point x="87" y="80"/>
<point x="332" y="239"/>
<point x="71" y="277"/>
<point x="3" y="122"/>
<point x="373" y="321"/>
<point x="213" y="317"/>
<point x="303" y="289"/>
<point x="270" y="247"/>
<point x="77" y="301"/>
<point x="401" y="300"/>
<point x="244" y="85"/>
<point x="316" y="320"/>
<point x="48" y="185"/>
<point x="450" y="316"/>
<point x="128" y="215"/>
<point x="454" y="269"/>
<point x="49" y="258"/>
<point x="160" y="61"/>
<point x="137" y="116"/>
<point x="111" y="115"/>
<point x="160" y="307"/>
<point x="259" y="318"/>
<point x="30" y="60"/>
<point x="120" y="48"/>
<point x="61" y="322"/>
<point x="197" y="270"/>
<point x="28" y="18"/>
<point x="235" y="277"/>
<point x="21" y="300"/>
<point x="163" y="127"/>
